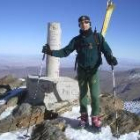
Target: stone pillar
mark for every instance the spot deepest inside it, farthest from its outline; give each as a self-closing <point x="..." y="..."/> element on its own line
<point x="54" y="40"/>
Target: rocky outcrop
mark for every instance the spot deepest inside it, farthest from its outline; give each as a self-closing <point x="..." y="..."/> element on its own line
<point x="127" y="122"/>
<point x="23" y="116"/>
<point x="11" y="92"/>
<point x="110" y="104"/>
<point x="26" y="114"/>
<point x="8" y="83"/>
<point x="11" y="102"/>
<point x="49" y="130"/>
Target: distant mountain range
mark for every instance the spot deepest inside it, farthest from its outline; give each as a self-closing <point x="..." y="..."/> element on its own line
<point x="127" y="83"/>
<point x="127" y="73"/>
<point x="8" y="61"/>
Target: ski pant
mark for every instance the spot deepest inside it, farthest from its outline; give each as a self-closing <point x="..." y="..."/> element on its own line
<point x="89" y="77"/>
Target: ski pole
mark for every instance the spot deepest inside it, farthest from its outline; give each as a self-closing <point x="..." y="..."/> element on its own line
<point x="36" y="91"/>
<point x="115" y="95"/>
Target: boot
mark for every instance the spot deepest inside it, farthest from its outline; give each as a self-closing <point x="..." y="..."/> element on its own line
<point x="96" y="123"/>
<point x="84" y="120"/>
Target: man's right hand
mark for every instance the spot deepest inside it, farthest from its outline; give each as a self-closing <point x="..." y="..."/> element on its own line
<point x="46" y="49"/>
<point x="112" y="61"/>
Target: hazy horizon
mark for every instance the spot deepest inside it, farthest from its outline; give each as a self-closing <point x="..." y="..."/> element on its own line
<point x="10" y="60"/>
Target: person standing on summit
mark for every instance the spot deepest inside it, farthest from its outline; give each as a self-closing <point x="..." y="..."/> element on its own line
<point x="89" y="46"/>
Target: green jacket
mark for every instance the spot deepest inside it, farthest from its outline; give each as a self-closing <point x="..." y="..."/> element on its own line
<point x="87" y="50"/>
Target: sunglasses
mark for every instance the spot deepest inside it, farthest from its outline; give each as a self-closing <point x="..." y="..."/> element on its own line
<point x="85" y="22"/>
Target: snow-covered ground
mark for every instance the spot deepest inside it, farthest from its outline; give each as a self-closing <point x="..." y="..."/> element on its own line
<point x="73" y="134"/>
<point x="86" y="135"/>
<point x="16" y="135"/>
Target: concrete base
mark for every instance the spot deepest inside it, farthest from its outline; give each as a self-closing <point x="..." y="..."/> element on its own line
<point x="50" y="90"/>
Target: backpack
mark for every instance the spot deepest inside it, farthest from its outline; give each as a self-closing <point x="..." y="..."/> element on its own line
<point x="99" y="44"/>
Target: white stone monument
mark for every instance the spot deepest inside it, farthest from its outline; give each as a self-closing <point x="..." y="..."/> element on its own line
<point x="54" y="41"/>
<point x="52" y="88"/>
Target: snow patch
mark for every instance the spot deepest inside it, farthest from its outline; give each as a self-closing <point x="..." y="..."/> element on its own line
<point x="132" y="106"/>
<point x="16" y="135"/>
<point x="21" y="79"/>
<point x="2" y="102"/>
<point x="134" y="76"/>
<point x="7" y="112"/>
<point x="85" y="135"/>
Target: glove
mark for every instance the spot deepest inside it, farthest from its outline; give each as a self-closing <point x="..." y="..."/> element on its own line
<point x="112" y="60"/>
<point x="46" y="49"/>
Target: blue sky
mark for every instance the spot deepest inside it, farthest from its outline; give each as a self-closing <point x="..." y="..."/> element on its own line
<point x="23" y="24"/>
